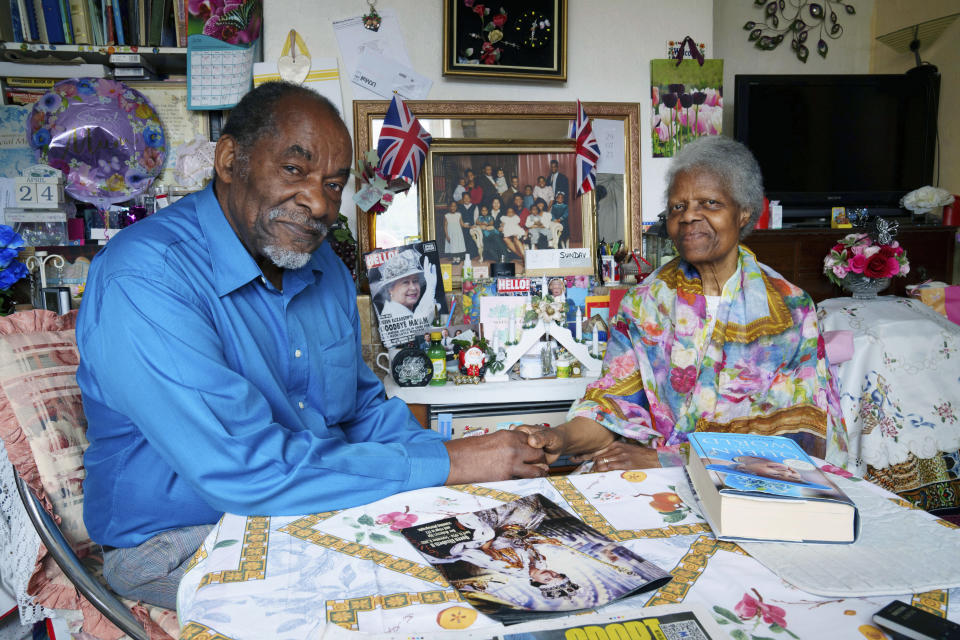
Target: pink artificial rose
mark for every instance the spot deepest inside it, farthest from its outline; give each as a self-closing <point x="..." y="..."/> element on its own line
<point x="479" y="9"/>
<point x="857" y="249"/>
<point x="877" y="267"/>
<point x="840" y="270"/>
<point x="857" y="263"/>
<point x="499" y="19"/>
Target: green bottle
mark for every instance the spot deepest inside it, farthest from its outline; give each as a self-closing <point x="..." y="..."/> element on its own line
<point x="438" y="358"/>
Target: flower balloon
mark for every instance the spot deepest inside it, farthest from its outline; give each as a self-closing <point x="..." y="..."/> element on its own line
<point x="105" y="137"/>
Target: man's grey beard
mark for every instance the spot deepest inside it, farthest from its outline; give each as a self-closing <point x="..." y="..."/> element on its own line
<point x="287" y="258"/>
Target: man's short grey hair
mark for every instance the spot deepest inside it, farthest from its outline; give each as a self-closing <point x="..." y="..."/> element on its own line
<point x="732" y="163"/>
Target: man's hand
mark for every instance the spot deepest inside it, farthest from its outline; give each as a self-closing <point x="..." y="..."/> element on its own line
<point x="552" y="441"/>
<point x="503" y="455"/>
<point x="622" y="455"/>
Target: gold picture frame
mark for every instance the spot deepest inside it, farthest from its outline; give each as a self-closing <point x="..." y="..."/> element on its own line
<point x="525" y="39"/>
<point x="519" y="124"/>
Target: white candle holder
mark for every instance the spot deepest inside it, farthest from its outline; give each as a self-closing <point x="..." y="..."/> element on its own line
<point x="531" y="336"/>
<point x="39" y="261"/>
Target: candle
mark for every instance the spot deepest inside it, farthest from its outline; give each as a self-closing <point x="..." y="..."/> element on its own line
<point x="579" y="328"/>
<point x="511" y="332"/>
<point x="543" y="286"/>
<point x="595" y="347"/>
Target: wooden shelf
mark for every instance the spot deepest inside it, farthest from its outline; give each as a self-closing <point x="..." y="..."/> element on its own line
<point x="797" y="254"/>
<point x="164" y="59"/>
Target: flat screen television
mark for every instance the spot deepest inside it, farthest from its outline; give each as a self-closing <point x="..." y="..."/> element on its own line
<point x="839" y="140"/>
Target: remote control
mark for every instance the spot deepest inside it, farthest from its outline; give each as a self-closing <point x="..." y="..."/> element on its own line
<point x="916" y="624"/>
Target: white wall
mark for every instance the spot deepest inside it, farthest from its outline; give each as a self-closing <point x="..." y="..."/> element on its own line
<point x="848" y="54"/>
<point x="610" y="45"/>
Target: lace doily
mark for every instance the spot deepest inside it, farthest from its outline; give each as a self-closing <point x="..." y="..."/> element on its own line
<point x="19" y="544"/>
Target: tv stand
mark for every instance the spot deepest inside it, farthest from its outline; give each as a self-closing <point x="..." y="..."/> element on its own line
<point x="798" y="253"/>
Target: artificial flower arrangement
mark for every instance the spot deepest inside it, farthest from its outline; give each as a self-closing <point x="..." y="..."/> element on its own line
<point x="376" y="194"/>
<point x="545" y="308"/>
<point x="861" y="254"/>
<point x="11" y="269"/>
<point x="926" y="200"/>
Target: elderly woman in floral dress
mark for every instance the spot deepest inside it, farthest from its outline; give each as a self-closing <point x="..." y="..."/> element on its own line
<point x="711" y="341"/>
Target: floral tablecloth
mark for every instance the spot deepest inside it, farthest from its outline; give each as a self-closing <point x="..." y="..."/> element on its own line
<point x="900" y="392"/>
<point x="306" y="576"/>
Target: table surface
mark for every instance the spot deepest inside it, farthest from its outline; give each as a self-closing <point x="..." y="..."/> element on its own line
<point x="298" y="576"/>
<point x="900" y="392"/>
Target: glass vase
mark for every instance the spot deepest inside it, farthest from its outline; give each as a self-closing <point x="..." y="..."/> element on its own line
<point x="863" y="288"/>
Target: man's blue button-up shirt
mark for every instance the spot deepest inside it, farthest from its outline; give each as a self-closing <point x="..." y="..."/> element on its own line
<point x="208" y="390"/>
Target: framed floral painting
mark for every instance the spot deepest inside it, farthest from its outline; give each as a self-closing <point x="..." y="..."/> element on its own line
<point x="505" y="39"/>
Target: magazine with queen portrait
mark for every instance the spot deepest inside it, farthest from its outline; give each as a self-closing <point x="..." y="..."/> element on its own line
<point x="529" y="559"/>
<point x="406" y="290"/>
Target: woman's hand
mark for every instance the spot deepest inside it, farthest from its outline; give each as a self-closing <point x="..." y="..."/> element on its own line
<point x="552" y="441"/>
<point x="622" y="455"/>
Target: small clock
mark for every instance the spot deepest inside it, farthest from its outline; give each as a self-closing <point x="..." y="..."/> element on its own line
<point x="411" y="368"/>
<point x="533" y="29"/>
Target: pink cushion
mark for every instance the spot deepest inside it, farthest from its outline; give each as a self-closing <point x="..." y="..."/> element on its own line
<point x="44" y="431"/>
<point x="839" y="345"/>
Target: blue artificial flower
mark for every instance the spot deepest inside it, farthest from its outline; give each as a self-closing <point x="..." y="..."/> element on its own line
<point x="14" y="272"/>
<point x="7" y="255"/>
<point x="86" y="87"/>
<point x="10" y="239"/>
<point x="41" y="138"/>
<point x="50" y="102"/>
<point x="153" y="137"/>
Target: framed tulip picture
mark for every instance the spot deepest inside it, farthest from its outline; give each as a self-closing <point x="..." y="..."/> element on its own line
<point x="505" y="39"/>
<point x="686" y="101"/>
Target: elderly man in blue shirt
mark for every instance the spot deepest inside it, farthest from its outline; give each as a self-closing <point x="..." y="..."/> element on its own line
<point x="221" y="366"/>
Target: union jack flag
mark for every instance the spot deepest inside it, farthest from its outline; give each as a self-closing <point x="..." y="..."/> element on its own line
<point x="588" y="152"/>
<point x="403" y="143"/>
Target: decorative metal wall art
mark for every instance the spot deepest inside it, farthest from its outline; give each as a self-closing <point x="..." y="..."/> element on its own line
<point x="797" y="19"/>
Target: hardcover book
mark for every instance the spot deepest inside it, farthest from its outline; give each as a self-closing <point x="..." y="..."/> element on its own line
<point x="754" y="487"/>
<point x="529" y="558"/>
<point x="407" y="290"/>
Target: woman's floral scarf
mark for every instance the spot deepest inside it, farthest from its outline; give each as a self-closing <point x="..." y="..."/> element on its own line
<point x="762" y="370"/>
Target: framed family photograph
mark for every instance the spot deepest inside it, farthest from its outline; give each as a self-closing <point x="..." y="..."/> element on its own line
<point x="506" y="39"/>
<point x="496" y="202"/>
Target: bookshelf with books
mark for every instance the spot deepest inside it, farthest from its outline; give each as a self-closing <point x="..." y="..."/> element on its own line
<point x="139" y="23"/>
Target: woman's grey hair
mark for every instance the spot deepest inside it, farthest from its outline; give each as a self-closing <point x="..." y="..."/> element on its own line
<point x="732" y="163"/>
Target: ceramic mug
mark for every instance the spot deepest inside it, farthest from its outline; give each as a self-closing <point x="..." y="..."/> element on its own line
<point x="388" y="357"/>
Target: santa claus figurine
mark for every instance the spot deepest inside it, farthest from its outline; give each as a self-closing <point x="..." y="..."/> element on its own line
<point x="472" y="361"/>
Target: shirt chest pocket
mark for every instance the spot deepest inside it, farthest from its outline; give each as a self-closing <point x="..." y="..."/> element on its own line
<point x="337" y="375"/>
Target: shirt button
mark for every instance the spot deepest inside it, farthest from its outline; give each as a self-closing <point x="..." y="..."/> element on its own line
<point x="297" y="353"/>
<point x="302" y="405"/>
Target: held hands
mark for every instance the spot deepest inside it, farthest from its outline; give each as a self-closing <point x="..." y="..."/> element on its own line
<point x="551" y="441"/>
<point x="503" y="455"/>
